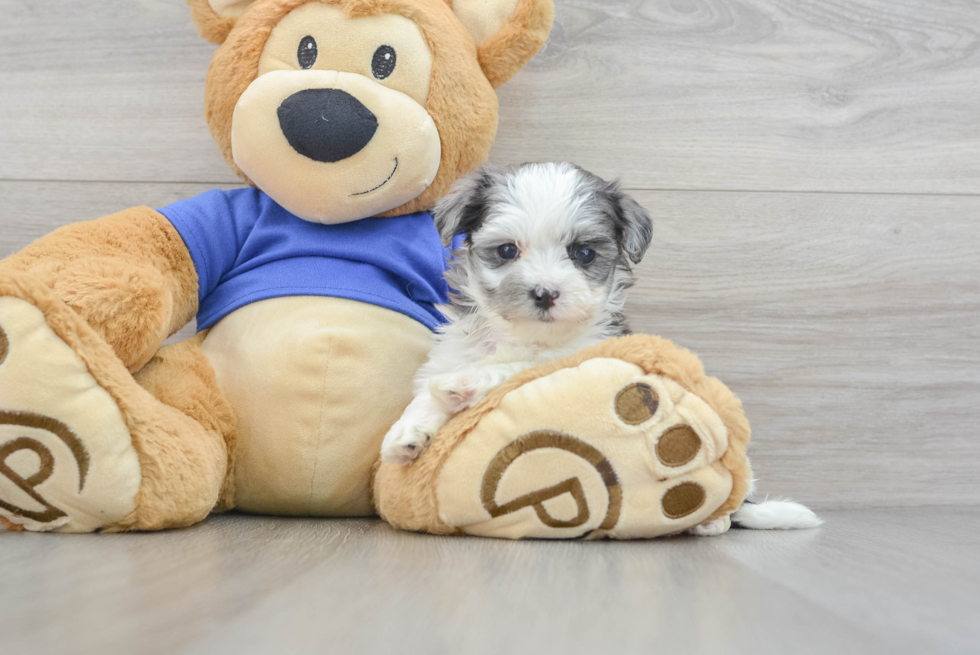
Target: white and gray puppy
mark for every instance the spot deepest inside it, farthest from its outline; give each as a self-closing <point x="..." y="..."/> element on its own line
<point x="543" y="273"/>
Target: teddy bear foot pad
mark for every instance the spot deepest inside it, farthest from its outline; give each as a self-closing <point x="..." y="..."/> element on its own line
<point x="67" y="462"/>
<point x="630" y="455"/>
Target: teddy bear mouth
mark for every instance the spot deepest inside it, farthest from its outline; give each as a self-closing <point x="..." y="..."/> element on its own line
<point x="361" y="193"/>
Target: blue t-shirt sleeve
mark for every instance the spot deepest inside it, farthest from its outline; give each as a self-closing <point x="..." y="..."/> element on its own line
<point x="214" y="227"/>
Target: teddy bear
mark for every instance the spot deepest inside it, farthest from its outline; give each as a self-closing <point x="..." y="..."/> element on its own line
<point x="316" y="289"/>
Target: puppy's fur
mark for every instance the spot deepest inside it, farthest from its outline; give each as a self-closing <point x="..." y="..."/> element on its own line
<point x="542" y="273"/>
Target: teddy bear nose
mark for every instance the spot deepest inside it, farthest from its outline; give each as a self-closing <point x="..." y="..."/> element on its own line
<point x="326" y="125"/>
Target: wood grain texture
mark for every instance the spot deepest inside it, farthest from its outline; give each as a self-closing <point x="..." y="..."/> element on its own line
<point x="29" y="210"/>
<point x="240" y="584"/>
<point x="848" y="325"/>
<point x="852" y="95"/>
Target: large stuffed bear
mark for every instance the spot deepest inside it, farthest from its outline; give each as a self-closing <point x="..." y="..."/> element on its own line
<point x="315" y="290"/>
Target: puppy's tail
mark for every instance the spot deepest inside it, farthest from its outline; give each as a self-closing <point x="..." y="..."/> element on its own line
<point x="775" y="515"/>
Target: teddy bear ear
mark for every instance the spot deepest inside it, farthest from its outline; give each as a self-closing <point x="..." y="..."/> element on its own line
<point x="215" y="18"/>
<point x="507" y="32"/>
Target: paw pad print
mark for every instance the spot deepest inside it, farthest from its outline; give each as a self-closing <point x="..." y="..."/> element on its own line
<point x="678" y="445"/>
<point x="637" y="403"/>
<point x="675" y="443"/>
<point x="602" y="449"/>
<point x="67" y="462"/>
<point x="4" y="345"/>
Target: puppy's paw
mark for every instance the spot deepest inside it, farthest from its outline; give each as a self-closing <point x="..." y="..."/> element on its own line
<point x="712" y="528"/>
<point x="405" y="441"/>
<point x="458" y="391"/>
<point x="454" y="391"/>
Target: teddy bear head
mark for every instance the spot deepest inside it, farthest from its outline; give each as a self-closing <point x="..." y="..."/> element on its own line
<point x="345" y="109"/>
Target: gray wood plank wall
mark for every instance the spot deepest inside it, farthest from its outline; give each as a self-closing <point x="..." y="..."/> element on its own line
<point x="813" y="168"/>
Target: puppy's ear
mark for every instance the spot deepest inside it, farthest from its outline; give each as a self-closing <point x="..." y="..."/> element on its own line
<point x="215" y="18"/>
<point x="635" y="223"/>
<point x="507" y="33"/>
<point x="464" y="208"/>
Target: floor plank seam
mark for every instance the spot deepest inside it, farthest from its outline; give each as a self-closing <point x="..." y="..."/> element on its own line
<point x="630" y="189"/>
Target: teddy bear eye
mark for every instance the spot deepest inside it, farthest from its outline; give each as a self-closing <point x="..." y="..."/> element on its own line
<point x="307" y="52"/>
<point x="383" y="62"/>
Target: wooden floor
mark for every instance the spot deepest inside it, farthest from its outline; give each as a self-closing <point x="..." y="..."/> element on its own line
<point x="814" y="172"/>
<point x="886" y="581"/>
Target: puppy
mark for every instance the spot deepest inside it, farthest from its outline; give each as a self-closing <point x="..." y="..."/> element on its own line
<point x="542" y="273"/>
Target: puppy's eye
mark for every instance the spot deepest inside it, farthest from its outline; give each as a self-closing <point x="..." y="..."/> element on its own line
<point x="508" y="251"/>
<point x="307" y="52"/>
<point x="383" y="63"/>
<point x="583" y="255"/>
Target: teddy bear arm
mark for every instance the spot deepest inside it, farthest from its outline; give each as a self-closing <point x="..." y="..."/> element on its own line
<point x="128" y="275"/>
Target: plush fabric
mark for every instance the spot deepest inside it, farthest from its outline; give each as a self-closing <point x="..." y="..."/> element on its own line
<point x="400" y="160"/>
<point x="557" y="452"/>
<point x="345" y="45"/>
<point x="62" y="410"/>
<point x="210" y="25"/>
<point x="181" y="377"/>
<point x="247" y="248"/>
<point x="483" y="18"/>
<point x="181" y="465"/>
<point x="281" y="404"/>
<point x="326" y="377"/>
<point x="127" y="275"/>
<point x="506" y="51"/>
<point x="460" y="101"/>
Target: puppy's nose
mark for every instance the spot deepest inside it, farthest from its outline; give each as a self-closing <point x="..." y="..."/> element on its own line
<point x="544" y="298"/>
<point x="326" y="125"/>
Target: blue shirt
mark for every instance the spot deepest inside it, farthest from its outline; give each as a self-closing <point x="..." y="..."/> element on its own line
<point x="247" y="248"/>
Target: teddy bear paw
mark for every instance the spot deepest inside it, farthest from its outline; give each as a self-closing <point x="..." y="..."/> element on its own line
<point x="67" y="461"/>
<point x="600" y="450"/>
